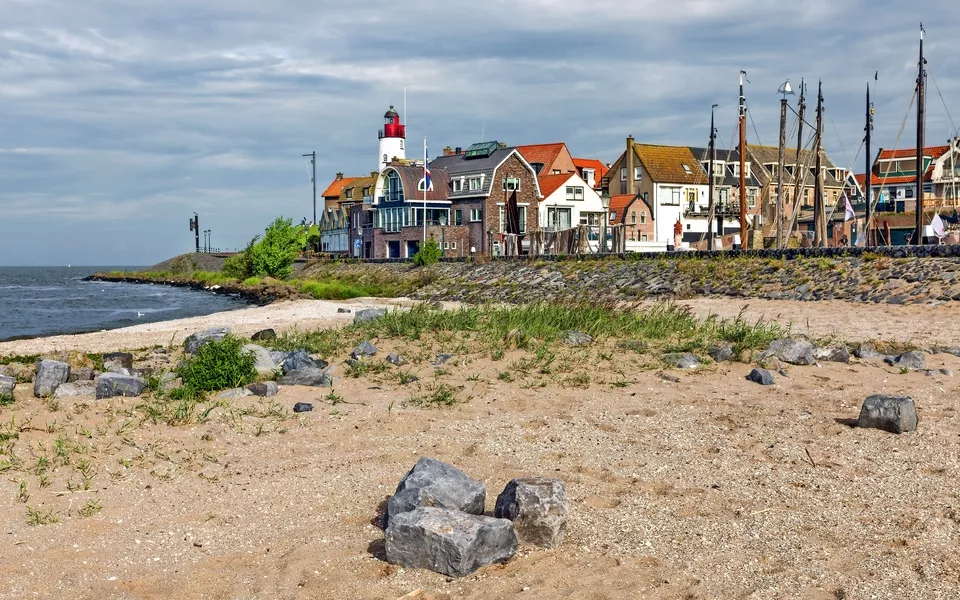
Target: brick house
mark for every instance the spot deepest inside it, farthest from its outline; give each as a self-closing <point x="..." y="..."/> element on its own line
<point x="548" y="159"/>
<point x="634" y="212"/>
<point x="331" y="195"/>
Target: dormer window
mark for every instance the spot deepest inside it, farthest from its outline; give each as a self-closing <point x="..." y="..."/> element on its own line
<point x="718" y="169"/>
<point x="686" y="169"/>
<point x="537" y="167"/>
<point x="457" y="185"/>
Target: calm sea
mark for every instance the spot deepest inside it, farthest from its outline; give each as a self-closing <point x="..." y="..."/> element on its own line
<point x="39" y="301"/>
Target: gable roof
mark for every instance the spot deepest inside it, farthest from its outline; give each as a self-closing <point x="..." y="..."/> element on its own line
<point x="457" y="166"/>
<point x="357" y="183"/>
<point x="599" y="169"/>
<point x="619" y="205"/>
<point x="545" y="154"/>
<point x="728" y="157"/>
<point x="664" y="164"/>
<point x="765" y="155"/>
<point x="336" y="186"/>
<point x="410" y="177"/>
<point x="933" y="151"/>
<point x="551" y="183"/>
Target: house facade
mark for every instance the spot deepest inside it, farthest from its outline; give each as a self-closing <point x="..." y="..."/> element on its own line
<point x="567" y="201"/>
<point x="894" y="176"/>
<point x="548" y="159"/>
<point x="331" y="195"/>
<point x="726" y="188"/>
<point x="634" y="212"/>
<point x="591" y="170"/>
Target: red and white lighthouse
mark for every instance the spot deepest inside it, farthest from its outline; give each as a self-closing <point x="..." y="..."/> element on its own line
<point x="392" y="137"/>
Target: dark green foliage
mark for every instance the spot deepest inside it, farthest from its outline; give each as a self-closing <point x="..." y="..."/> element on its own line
<point x="429" y="253"/>
<point x="26" y="359"/>
<point x="217" y="366"/>
<point x="240" y="266"/>
<point x="274" y="255"/>
<point x="6" y="399"/>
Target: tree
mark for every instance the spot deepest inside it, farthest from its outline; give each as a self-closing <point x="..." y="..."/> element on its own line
<point x="274" y="255"/>
<point x="429" y="253"/>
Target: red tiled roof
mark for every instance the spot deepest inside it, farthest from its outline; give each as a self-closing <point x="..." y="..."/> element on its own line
<point x="619" y="205"/>
<point x="335" y="187"/>
<point x="934" y="151"/>
<point x="551" y="183"/>
<point x="880" y="180"/>
<point x="861" y="180"/>
<point x="545" y="154"/>
<point x="599" y="169"/>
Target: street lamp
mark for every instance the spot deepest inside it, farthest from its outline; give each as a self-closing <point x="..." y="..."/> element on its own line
<point x="785" y="90"/>
<point x="605" y="202"/>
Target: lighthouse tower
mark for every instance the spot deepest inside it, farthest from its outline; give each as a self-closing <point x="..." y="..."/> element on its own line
<point x="392" y="137"/>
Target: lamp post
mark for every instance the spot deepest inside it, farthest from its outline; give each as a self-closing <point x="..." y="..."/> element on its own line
<point x="605" y="202"/>
<point x="785" y="90"/>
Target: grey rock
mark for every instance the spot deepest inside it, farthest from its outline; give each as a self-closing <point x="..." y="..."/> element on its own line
<point x="443" y="359"/>
<point x="81" y="374"/>
<point x="169" y="381"/>
<point x="721" y="352"/>
<point x="234" y="394"/>
<point x="538" y="507"/>
<point x="301" y="359"/>
<point x="867" y="352"/>
<point x="264" y="389"/>
<point x="76" y="389"/>
<point x="363" y="350"/>
<point x="344" y="310"/>
<point x="954" y="350"/>
<point x="945" y="371"/>
<point x="896" y="414"/>
<point x="793" y="351"/>
<point x="278" y="356"/>
<point x="838" y="354"/>
<point x="435" y="483"/>
<point x="761" y="376"/>
<point x="110" y="385"/>
<point x="908" y="360"/>
<point x="123" y="360"/>
<point x="301" y="407"/>
<point x="353" y="362"/>
<point x="448" y="542"/>
<point x="577" y="338"/>
<point x="265" y="366"/>
<point x="7" y="385"/>
<point x="310" y="376"/>
<point x="116" y="368"/>
<point x="396" y="360"/>
<point x="682" y="360"/>
<point x="368" y="314"/>
<point x="50" y="374"/>
<point x="264" y="335"/>
<point x="193" y="343"/>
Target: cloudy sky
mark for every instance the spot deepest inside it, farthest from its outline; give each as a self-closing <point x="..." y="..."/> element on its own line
<point x="120" y="119"/>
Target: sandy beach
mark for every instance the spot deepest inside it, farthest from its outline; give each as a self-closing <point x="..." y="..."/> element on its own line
<point x="708" y="486"/>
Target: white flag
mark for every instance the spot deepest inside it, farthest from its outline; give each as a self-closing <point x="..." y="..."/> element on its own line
<point x="937" y="225"/>
<point x="849" y="213"/>
<point x="861" y="240"/>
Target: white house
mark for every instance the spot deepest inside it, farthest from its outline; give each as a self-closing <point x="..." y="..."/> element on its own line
<point x="568" y="201"/>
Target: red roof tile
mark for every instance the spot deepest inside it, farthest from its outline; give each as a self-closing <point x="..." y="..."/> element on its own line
<point x="599" y="169"/>
<point x="619" y="205"/>
<point x="934" y="151"/>
<point x="551" y="183"/>
<point x="336" y="186"/>
<point x="545" y="154"/>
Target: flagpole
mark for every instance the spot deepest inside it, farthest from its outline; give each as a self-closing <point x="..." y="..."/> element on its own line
<point x="425" y="186"/>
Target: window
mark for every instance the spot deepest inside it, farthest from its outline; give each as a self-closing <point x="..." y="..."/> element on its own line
<point x="446" y="245"/>
<point x="589" y="176"/>
<point x="638" y="173"/>
<point x="458" y="217"/>
<point x="559" y="218"/>
<point x="633" y="217"/>
<point x="643" y="237"/>
<point x="643" y="218"/>
<point x="673" y="197"/>
<point x="574" y="192"/>
<point x="366" y="192"/>
<point x="908" y="192"/>
<point x="746" y="170"/>
<point x="476" y="214"/>
<point x="350" y="193"/>
<point x="686" y="169"/>
<point x="394" y="189"/>
<point x="623" y="174"/>
<point x="523" y="219"/>
<point x="511" y="184"/>
<point x="556" y="172"/>
<point x="590" y="218"/>
<point x="537" y="167"/>
<point x="718" y="169"/>
<point x="423" y="183"/>
<point x="613" y="216"/>
<point x="457" y="185"/>
<point x="692" y="197"/>
<point x="752" y="197"/>
<point x="453" y="245"/>
<point x="474" y="183"/>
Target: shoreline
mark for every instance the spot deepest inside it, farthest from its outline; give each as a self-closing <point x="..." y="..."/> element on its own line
<point x="251" y="296"/>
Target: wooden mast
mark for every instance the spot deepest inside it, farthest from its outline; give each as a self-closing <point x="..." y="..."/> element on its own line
<point x="921" y="76"/>
<point x="868" y="187"/>
<point x="743" y="176"/>
<point x="713" y="159"/>
<point x="819" y="216"/>
<point x="799" y="175"/>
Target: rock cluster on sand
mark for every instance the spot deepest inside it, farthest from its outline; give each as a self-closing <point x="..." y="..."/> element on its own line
<point x="110" y="385"/>
<point x="193" y="343"/>
<point x="538" y="507"/>
<point x="50" y="375"/>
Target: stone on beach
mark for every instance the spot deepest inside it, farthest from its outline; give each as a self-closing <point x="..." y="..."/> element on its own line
<point x="396" y="359"/>
<point x="309" y="376"/>
<point x="264" y="360"/>
<point x="264" y="335"/>
<point x="368" y="314"/>
<point x="363" y="350"/>
<point x="50" y="374"/>
<point x="761" y="376"/>
<point x="838" y="354"/>
<point x="301" y="359"/>
<point x="868" y="352"/>
<point x="81" y="374"/>
<point x="76" y="389"/>
<point x="110" y="385"/>
<point x="538" y="507"/>
<point x="908" y="360"/>
<point x="447" y="541"/>
<point x="682" y="360"/>
<point x="7" y="385"/>
<point x="435" y="483"/>
<point x="193" y="343"/>
<point x="264" y="389"/>
<point x="115" y="361"/>
<point x="793" y="351"/>
<point x="896" y="414"/>
<point x="721" y="352"/>
<point x="577" y="339"/>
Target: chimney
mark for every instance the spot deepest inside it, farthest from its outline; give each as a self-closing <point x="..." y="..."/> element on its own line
<point x="628" y="163"/>
<point x="339" y="176"/>
<point x="457" y="151"/>
<point x="448" y="151"/>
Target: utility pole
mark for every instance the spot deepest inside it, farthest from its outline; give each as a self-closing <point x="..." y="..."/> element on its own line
<point x="713" y="159"/>
<point x="195" y="228"/>
<point x="868" y="188"/>
<point x="785" y="90"/>
<point x="921" y="77"/>
<point x="743" y="155"/>
<point x="313" y="180"/>
<point x="819" y="215"/>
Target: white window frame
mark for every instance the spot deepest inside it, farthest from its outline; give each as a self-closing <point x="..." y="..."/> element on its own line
<point x="458" y="185"/>
<point x="475" y="183"/>
<point x="643" y="218"/>
<point x="643" y="237"/>
<point x="523" y="218"/>
<point x="638" y="173"/>
<point x="511" y="184"/>
<point x="453" y="245"/>
<point x="751" y="197"/>
<point x="674" y="198"/>
<point x="623" y="173"/>
<point x="574" y="192"/>
<point x="476" y="215"/>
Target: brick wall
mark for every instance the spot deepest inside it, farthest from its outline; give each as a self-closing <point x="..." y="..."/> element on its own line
<point x="512" y="167"/>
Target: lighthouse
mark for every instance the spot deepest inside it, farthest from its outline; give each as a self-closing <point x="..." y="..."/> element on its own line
<point x="391" y="138"/>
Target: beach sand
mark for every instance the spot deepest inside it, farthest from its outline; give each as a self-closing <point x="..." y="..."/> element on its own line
<point x="709" y="487"/>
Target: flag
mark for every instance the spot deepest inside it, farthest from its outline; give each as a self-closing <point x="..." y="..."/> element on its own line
<point x="861" y="240"/>
<point x="426" y="168"/>
<point x="849" y="213"/>
<point x="937" y="225"/>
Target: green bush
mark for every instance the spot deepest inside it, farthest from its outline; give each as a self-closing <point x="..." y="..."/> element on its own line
<point x="429" y="253"/>
<point x="218" y="366"/>
<point x="274" y="255"/>
<point x="240" y="266"/>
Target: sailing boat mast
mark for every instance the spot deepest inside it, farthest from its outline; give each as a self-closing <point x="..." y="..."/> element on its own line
<point x="713" y="159"/>
<point x="819" y="216"/>
<point x="799" y="174"/>
<point x="869" y="185"/>
<point x="743" y="176"/>
<point x="921" y="77"/>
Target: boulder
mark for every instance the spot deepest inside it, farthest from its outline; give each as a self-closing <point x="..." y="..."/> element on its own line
<point x="577" y="338"/>
<point x="793" y="351"/>
<point x="342" y="310"/>
<point x="301" y="359"/>
<point x="838" y="354"/>
<point x="193" y="343"/>
<point x="264" y="389"/>
<point x="22" y="372"/>
<point x="896" y="414"/>
<point x="264" y="335"/>
<point x="300" y="407"/>
<point x="682" y="360"/>
<point x="721" y="352"/>
<point x="538" y="507"/>
<point x="7" y="385"/>
<point x="81" y="374"/>
<point x="278" y="356"/>
<point x="443" y="359"/>
<point x="368" y="314"/>
<point x="50" y="374"/>
<point x="76" y="389"/>
<point x="234" y="394"/>
<point x="363" y="350"/>
<point x="867" y="352"/>
<point x="435" y="483"/>
<point x="117" y="384"/>
<point x="447" y="541"/>
<point x="265" y="366"/>
<point x="908" y="360"/>
<point x="310" y="376"/>
<point x="121" y="360"/>
<point x="396" y="360"/>
<point x="761" y="376"/>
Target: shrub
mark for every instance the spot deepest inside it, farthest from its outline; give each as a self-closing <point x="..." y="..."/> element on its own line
<point x="274" y="255"/>
<point x="218" y="366"/>
<point x="429" y="253"/>
<point x="240" y="266"/>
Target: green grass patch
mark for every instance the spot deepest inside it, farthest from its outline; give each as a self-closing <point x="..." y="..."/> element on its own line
<point x="338" y="290"/>
<point x="26" y="359"/>
<point x="217" y="366"/>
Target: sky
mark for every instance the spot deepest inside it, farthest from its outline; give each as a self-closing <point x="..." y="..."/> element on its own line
<point x="119" y="120"/>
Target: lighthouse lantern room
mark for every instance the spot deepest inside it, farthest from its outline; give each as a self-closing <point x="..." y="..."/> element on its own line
<point x="392" y="137"/>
